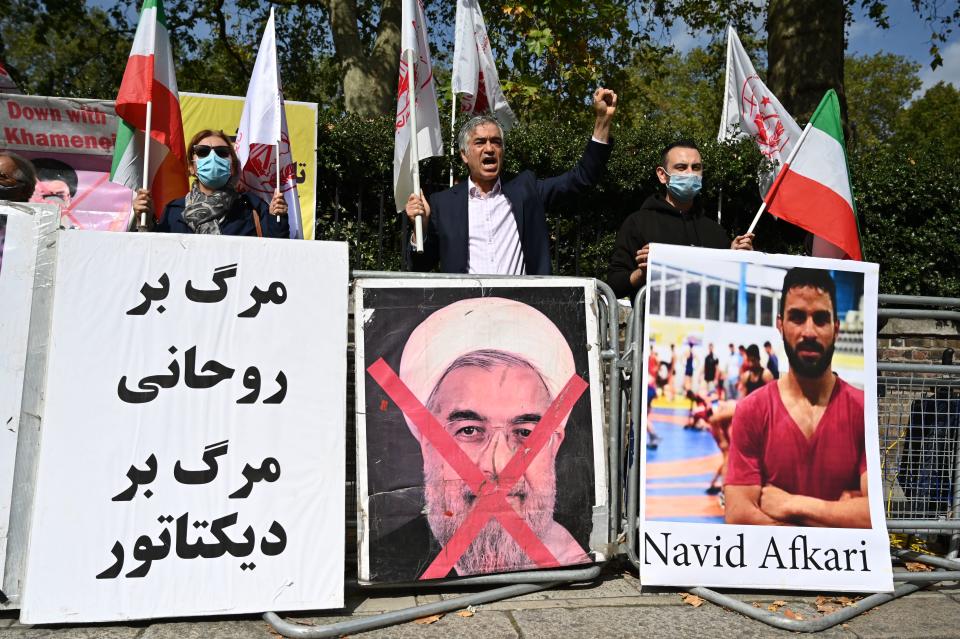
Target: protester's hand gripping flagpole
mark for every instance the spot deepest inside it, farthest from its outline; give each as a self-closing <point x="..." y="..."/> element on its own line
<point x="779" y="179"/>
<point x="149" y="123"/>
<point x="414" y="151"/>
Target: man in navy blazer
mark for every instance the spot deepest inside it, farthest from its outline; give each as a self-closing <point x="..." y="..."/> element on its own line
<point x="486" y="226"/>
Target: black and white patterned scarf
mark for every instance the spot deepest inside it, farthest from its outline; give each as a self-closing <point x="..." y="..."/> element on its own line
<point x="205" y="213"/>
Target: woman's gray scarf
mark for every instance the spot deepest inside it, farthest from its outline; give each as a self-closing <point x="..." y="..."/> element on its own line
<point x="205" y="213"/>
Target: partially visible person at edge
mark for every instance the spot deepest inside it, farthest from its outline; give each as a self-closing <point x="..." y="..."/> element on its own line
<point x="214" y="206"/>
<point x="675" y="217"/>
<point x="487" y="225"/>
<point x="18" y="178"/>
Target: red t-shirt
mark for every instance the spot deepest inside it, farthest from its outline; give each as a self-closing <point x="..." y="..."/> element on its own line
<point x="767" y="446"/>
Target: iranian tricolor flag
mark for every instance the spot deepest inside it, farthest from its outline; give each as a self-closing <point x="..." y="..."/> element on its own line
<point x="148" y="99"/>
<point x="813" y="188"/>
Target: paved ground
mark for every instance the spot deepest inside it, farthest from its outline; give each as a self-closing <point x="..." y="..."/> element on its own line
<point x="610" y="607"/>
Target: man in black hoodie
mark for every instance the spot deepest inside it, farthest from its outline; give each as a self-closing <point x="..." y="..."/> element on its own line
<point x="675" y="217"/>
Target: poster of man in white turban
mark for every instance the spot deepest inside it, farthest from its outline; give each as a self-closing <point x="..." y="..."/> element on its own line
<point x="479" y="428"/>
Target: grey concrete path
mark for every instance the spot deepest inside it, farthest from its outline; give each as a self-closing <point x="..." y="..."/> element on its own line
<point x="611" y="607"/>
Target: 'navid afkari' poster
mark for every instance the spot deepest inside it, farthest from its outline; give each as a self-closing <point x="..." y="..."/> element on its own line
<point x="761" y="465"/>
<point x="479" y="427"/>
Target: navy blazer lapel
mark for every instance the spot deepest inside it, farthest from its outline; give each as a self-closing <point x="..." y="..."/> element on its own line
<point x="461" y="222"/>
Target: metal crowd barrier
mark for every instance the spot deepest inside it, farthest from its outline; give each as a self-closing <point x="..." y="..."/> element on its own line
<point x="510" y="584"/>
<point x="919" y="422"/>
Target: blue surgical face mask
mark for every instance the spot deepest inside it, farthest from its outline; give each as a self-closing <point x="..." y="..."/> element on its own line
<point x="213" y="170"/>
<point x="684" y="186"/>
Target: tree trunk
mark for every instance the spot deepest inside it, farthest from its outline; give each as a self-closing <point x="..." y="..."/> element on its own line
<point x="369" y="80"/>
<point x="805" y="47"/>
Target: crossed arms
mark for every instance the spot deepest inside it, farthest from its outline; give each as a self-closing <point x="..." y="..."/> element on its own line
<point x="771" y="506"/>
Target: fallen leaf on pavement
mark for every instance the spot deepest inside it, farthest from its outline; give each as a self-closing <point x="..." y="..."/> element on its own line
<point x="757" y="604"/>
<point x="693" y="600"/>
<point x="916" y="566"/>
<point x="789" y="614"/>
<point x="423" y="621"/>
<point x="827" y="607"/>
<point x="776" y="605"/>
<point x="465" y="613"/>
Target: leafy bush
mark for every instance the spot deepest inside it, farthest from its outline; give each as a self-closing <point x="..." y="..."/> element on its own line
<point x="907" y="207"/>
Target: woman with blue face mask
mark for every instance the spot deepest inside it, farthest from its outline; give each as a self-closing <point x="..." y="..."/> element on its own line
<point x="214" y="206"/>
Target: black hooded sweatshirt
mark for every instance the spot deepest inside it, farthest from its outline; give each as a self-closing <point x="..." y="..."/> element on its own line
<point x="658" y="221"/>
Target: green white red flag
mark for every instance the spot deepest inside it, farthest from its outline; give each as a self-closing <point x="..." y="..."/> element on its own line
<point x="150" y="78"/>
<point x="813" y="189"/>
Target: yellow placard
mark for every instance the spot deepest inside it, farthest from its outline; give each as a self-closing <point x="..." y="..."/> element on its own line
<point x="223" y="112"/>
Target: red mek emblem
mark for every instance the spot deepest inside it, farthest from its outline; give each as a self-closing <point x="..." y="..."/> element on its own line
<point x="423" y="73"/>
<point x="260" y="171"/>
<point x="759" y="110"/>
<point x="476" y="104"/>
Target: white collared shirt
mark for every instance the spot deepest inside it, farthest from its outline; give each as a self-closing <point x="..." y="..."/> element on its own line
<point x="494" y="245"/>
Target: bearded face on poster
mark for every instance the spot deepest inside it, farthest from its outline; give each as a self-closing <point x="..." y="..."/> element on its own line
<point x="492" y="385"/>
<point x="490" y="400"/>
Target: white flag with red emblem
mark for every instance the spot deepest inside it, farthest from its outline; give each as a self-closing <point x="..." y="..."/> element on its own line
<point x="263" y="130"/>
<point x="749" y="105"/>
<point x="413" y="37"/>
<point x="475" y="76"/>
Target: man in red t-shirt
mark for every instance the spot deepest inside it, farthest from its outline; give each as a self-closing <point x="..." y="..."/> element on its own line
<point x="797" y="452"/>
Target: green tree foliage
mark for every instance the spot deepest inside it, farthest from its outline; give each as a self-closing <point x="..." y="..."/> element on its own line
<point x="930" y="127"/>
<point x="683" y="90"/>
<point x="878" y="86"/>
<point x="85" y="60"/>
<point x="908" y="218"/>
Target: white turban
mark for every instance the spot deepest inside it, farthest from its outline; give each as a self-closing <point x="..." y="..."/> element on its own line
<point x="484" y="323"/>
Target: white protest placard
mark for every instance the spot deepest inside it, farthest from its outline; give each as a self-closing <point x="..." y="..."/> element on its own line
<point x="18" y="254"/>
<point x="764" y="468"/>
<point x="192" y="449"/>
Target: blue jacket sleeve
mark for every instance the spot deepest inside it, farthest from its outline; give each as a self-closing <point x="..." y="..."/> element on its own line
<point x="268" y="222"/>
<point x="581" y="177"/>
